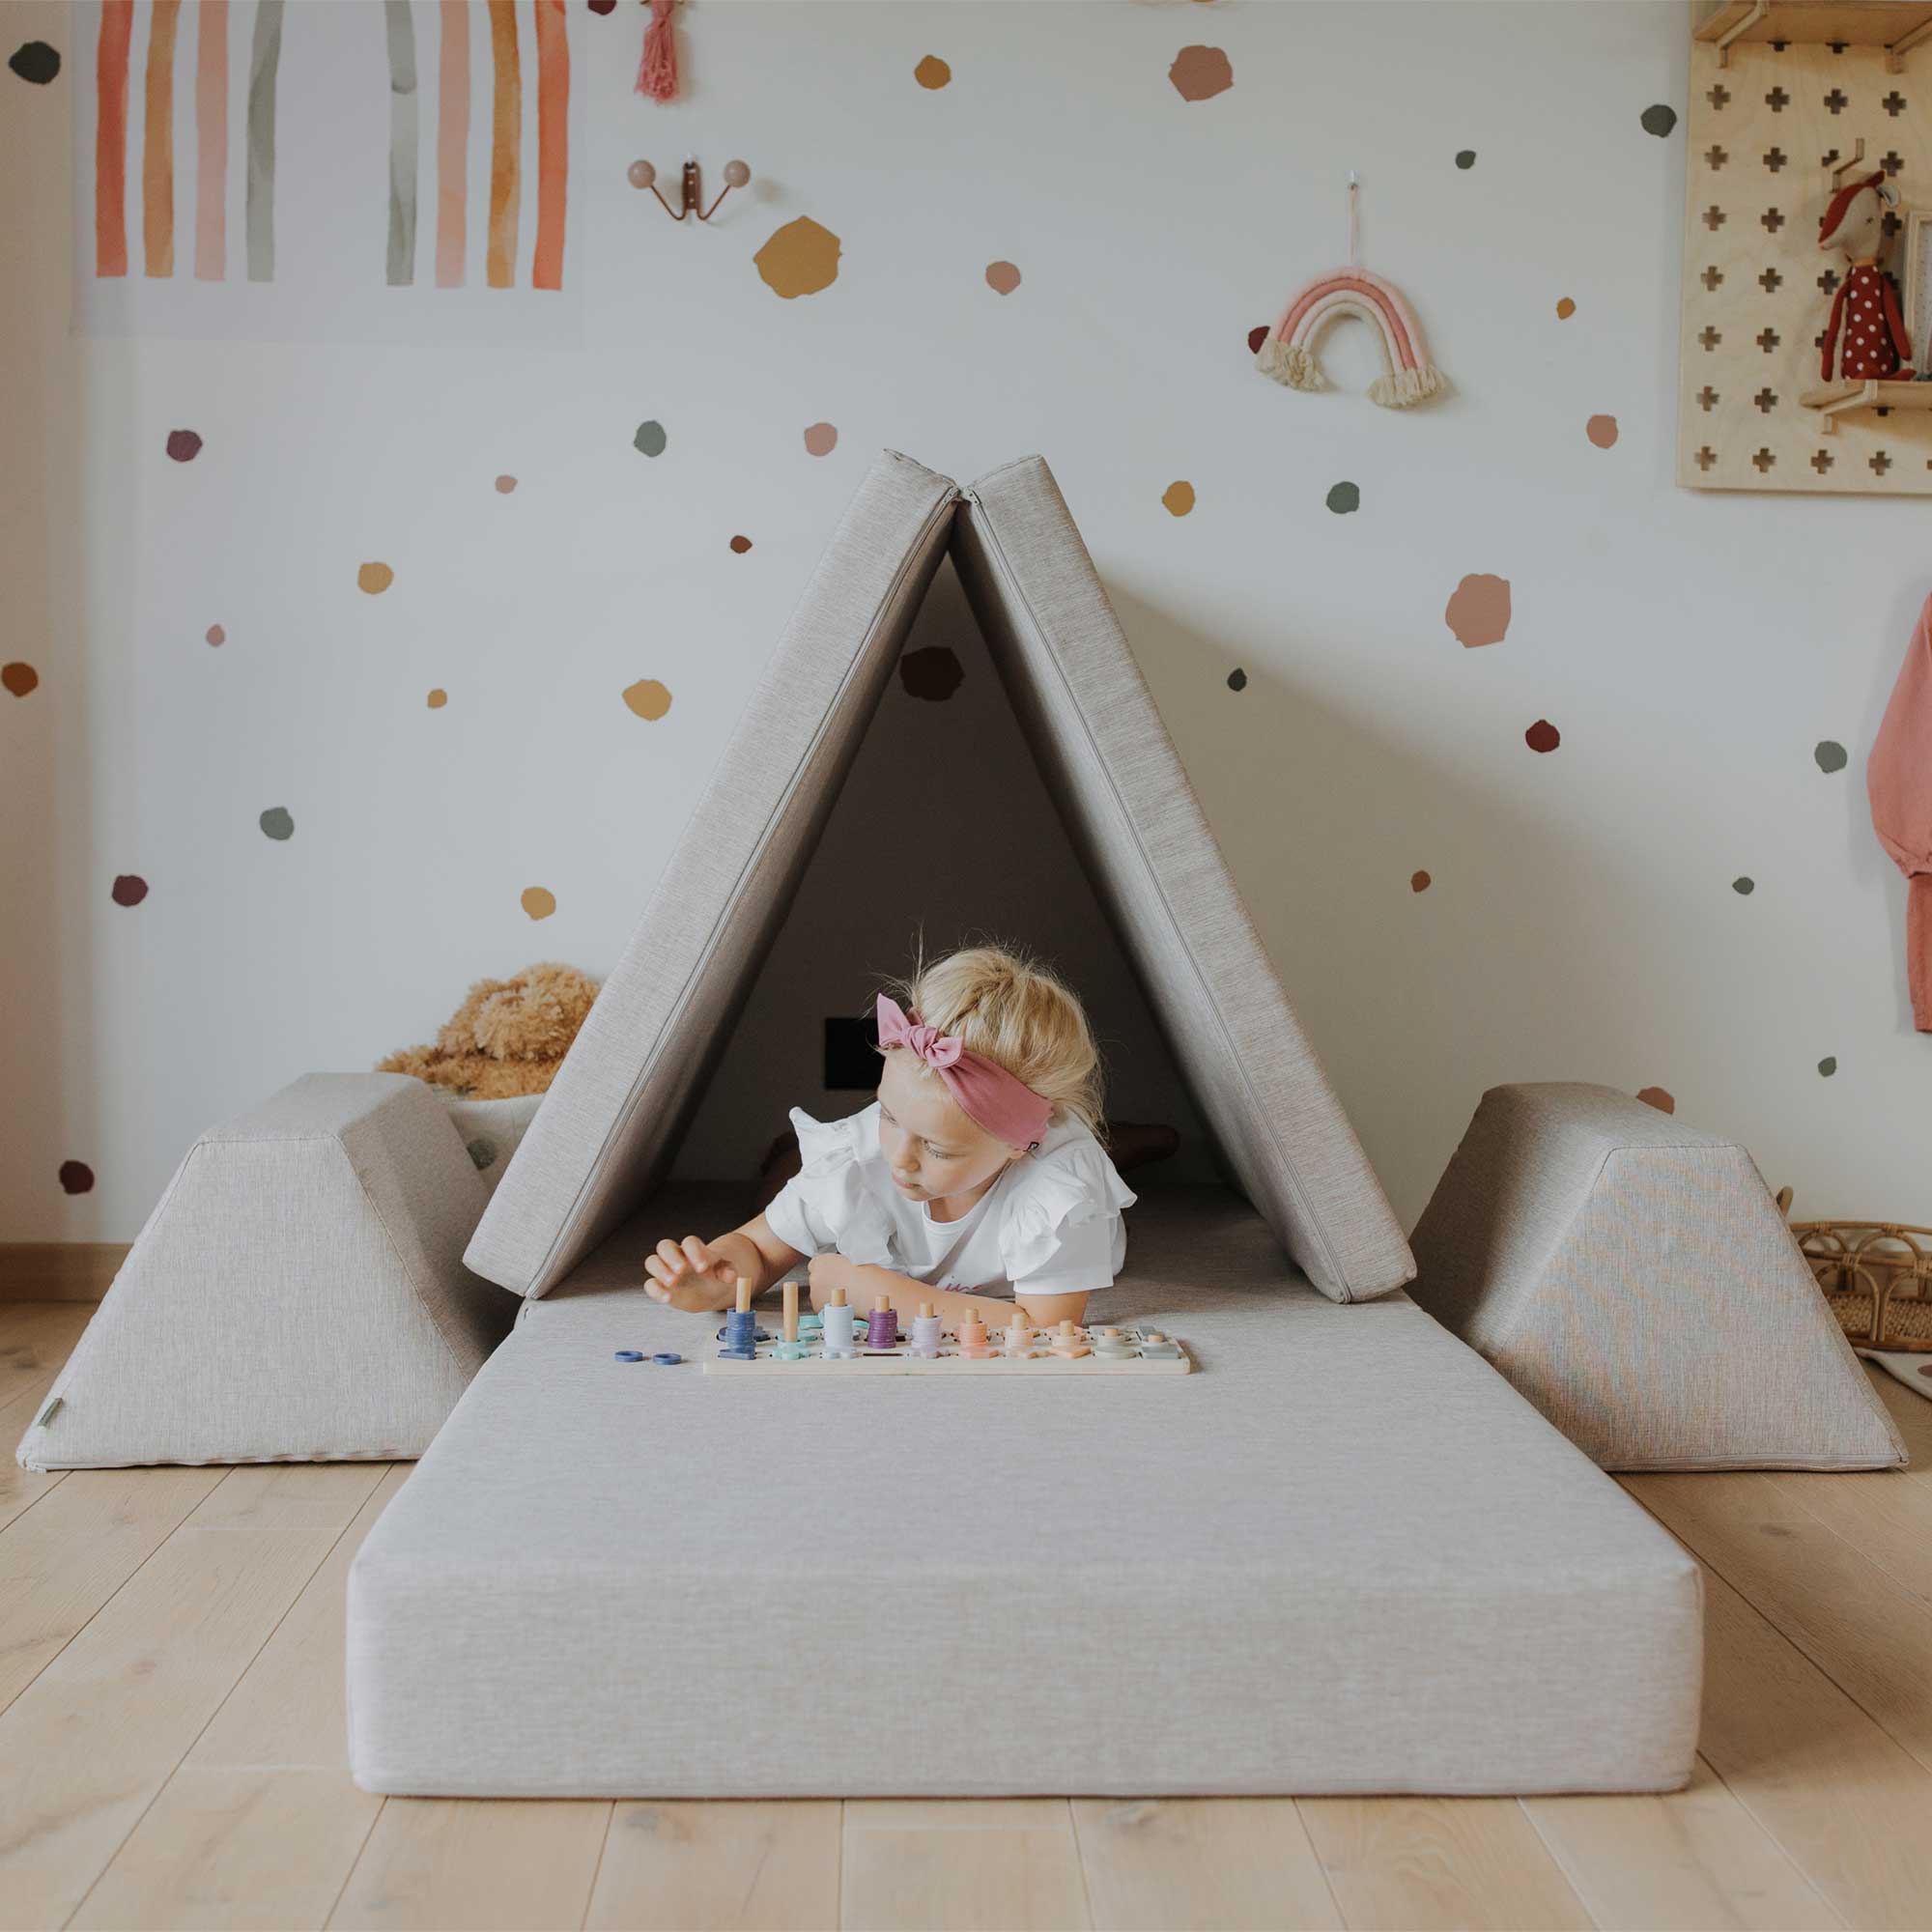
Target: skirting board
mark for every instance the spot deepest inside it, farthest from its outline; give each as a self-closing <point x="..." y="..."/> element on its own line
<point x="59" y="1270"/>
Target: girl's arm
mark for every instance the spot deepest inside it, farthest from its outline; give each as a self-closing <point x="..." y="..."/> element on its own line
<point x="864" y="1285"/>
<point x="695" y="1274"/>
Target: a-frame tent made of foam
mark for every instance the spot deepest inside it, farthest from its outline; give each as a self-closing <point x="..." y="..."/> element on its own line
<point x="612" y="1121"/>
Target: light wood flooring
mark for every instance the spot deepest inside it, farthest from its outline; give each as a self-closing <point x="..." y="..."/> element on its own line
<point x="171" y="1751"/>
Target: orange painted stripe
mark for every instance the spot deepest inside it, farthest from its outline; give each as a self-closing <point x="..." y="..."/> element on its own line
<point x="552" y="143"/>
<point x="452" y="144"/>
<point x="210" y="131"/>
<point x="506" y="138"/>
<point x="110" y="138"/>
<point x="158" y="149"/>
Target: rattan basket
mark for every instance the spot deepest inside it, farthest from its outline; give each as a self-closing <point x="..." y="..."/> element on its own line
<point x="1877" y="1275"/>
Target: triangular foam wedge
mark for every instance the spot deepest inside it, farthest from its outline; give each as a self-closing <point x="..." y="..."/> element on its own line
<point x="613" y="1120"/>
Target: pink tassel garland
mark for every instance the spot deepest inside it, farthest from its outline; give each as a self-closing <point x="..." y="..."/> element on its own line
<point x="657" y="72"/>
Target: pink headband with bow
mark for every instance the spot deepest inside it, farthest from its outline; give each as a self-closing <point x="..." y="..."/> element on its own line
<point x="988" y="1095"/>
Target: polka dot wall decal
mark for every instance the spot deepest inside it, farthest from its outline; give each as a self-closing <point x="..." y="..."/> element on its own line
<point x="1419" y="882"/>
<point x="1177" y="499"/>
<point x="19" y="679"/>
<point x="129" y="889"/>
<point x="1829" y="1066"/>
<point x="1001" y="277"/>
<point x="932" y="73"/>
<point x="1200" y="74"/>
<point x="76" y="1177"/>
<point x="1565" y="308"/>
<point x="740" y="545"/>
<point x="1542" y="736"/>
<point x="504" y="485"/>
<point x="647" y="697"/>
<point x="1479" y="611"/>
<point x="1237" y="679"/>
<point x="1658" y="1097"/>
<point x="1344" y="498"/>
<point x="375" y="579"/>
<point x="1743" y="885"/>
<point x="800" y="259"/>
<point x="1829" y="755"/>
<point x="279" y="823"/>
<point x="437" y="699"/>
<point x="35" y="62"/>
<point x="183" y="445"/>
<point x="603" y="6"/>
<point x="1658" y="120"/>
<point x="821" y="440"/>
<point x="538" y="901"/>
<point x="1256" y="337"/>
<point x="1602" y="431"/>
<point x="933" y="674"/>
<point x="215" y="636"/>
<point x="650" y="438"/>
<point x="1465" y="159"/>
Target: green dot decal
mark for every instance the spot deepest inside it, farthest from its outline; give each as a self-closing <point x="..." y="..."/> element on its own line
<point x="650" y="438"/>
<point x="1465" y="157"/>
<point x="277" y="822"/>
<point x="1345" y="498"/>
<point x="1743" y="886"/>
<point x="1237" y="679"/>
<point x="1658" y="120"/>
<point x="1829" y="1066"/>
<point x="1831" y="756"/>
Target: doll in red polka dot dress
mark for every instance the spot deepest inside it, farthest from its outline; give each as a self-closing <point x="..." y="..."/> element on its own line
<point x="1865" y="336"/>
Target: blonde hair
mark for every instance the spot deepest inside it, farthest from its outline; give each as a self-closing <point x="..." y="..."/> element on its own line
<point x="1016" y="1012"/>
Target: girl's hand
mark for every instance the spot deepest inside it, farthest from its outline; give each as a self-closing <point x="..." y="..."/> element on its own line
<point x="690" y="1275"/>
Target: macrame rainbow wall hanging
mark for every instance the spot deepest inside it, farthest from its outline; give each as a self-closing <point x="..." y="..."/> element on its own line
<point x="1289" y="353"/>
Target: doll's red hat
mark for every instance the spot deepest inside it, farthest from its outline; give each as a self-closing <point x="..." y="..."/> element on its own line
<point x="1842" y="200"/>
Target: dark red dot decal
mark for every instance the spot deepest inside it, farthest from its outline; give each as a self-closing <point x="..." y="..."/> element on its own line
<point x="740" y="545"/>
<point x="1658" y="1097"/>
<point x="183" y="445"/>
<point x="1542" y="736"/>
<point x="129" y="889"/>
<point x="1256" y="337"/>
<point x="75" y="1177"/>
<point x="933" y="674"/>
<point x="1419" y="882"/>
<point x="603" y="6"/>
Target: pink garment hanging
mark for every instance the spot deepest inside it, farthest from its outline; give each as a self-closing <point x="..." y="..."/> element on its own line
<point x="1898" y="776"/>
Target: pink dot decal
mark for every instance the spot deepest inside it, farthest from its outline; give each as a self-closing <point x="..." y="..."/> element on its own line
<point x="183" y="445"/>
<point x="1001" y="277"/>
<point x="821" y="440"/>
<point x="1200" y="74"/>
<point x="1479" y="611"/>
<point x="504" y="485"/>
<point x="216" y="635"/>
<point x="1602" y="431"/>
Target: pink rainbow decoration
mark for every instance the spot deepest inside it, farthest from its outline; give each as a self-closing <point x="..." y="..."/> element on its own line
<point x="1288" y="353"/>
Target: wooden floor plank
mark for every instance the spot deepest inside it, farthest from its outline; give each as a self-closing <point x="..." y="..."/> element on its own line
<point x="235" y="1848"/>
<point x="1213" y="1865"/>
<point x="737" y="1868"/>
<point x="85" y="1748"/>
<point x="466" y="1865"/>
<point x="1848" y="1805"/>
<point x="289" y="1707"/>
<point x="1425" y="1862"/>
<point x="911" y="1864"/>
<point x="1867" y="1631"/>
<point x="36" y="1339"/>
<point x="1690" y="1861"/>
<point x="63" y="1559"/>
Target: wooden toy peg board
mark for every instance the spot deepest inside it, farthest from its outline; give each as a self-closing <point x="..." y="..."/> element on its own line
<point x="1763" y="133"/>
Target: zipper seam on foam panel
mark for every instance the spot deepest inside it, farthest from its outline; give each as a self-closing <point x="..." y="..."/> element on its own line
<point x="1288" y="1166"/>
<point x="944" y="506"/>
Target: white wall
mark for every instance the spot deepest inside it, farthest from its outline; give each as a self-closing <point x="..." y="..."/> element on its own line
<point x="1691" y="648"/>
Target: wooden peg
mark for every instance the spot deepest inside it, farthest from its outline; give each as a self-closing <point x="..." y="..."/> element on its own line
<point x="883" y="1306"/>
<point x="791" y="1311"/>
<point x="837" y="1298"/>
<point x="1066" y="1329"/>
<point x="744" y="1294"/>
<point x="925" y="1311"/>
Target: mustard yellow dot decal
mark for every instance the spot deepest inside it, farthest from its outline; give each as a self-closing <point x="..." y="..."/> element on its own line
<point x="437" y="699"/>
<point x="800" y="259"/>
<point x="647" y="697"/>
<point x="375" y="579"/>
<point x="539" y="901"/>
<point x="932" y="73"/>
<point x="1177" y="499"/>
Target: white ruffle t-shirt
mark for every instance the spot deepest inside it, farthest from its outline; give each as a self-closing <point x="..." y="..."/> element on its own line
<point x="1049" y="1225"/>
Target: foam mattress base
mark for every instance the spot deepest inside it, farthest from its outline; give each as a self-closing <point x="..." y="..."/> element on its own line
<point x="1343" y="1556"/>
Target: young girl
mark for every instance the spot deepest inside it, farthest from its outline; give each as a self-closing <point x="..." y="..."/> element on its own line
<point x="973" y="1181"/>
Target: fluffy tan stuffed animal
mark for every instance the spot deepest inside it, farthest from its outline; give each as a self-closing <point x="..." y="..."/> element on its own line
<point x="509" y="1036"/>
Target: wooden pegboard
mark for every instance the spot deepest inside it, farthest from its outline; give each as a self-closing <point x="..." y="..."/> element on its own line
<point x="1763" y="133"/>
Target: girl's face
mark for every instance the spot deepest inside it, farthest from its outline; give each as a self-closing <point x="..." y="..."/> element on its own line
<point x="933" y="1149"/>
